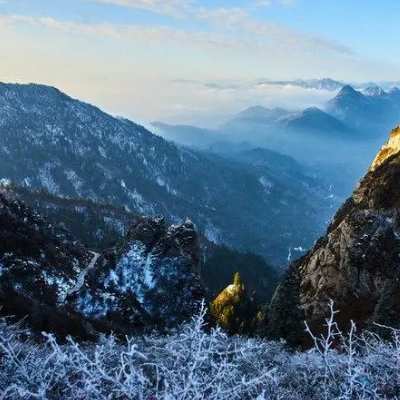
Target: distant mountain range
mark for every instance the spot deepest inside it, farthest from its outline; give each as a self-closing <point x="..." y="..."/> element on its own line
<point x="318" y="84"/>
<point x="340" y="135"/>
<point x="313" y="119"/>
<point x="252" y="126"/>
<point x="309" y="121"/>
<point x="200" y="138"/>
<point x="370" y="110"/>
<point x="327" y="84"/>
<point x="351" y="114"/>
<point x="356" y="114"/>
<point x="51" y="141"/>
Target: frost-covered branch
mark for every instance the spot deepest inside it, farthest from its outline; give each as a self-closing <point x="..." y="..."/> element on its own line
<point x="194" y="363"/>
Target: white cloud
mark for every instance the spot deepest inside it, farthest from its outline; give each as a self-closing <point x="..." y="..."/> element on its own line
<point x="228" y="17"/>
<point x="174" y="8"/>
<point x="287" y="3"/>
<point x="286" y="37"/>
<point x="132" y="33"/>
<point x="264" y="34"/>
<point x="269" y="34"/>
<point x="261" y="3"/>
<point x="264" y="37"/>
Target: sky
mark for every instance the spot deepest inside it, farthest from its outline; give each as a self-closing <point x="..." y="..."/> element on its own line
<point x="155" y="59"/>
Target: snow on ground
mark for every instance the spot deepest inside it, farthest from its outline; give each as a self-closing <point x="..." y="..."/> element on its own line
<point x="133" y="272"/>
<point x="266" y="183"/>
<point x="74" y="179"/>
<point x="81" y="277"/>
<point x="102" y="152"/>
<point x="5" y="182"/>
<point x="62" y="285"/>
<point x="213" y="234"/>
<point x="298" y="249"/>
<point x="47" y="180"/>
<point x="139" y="203"/>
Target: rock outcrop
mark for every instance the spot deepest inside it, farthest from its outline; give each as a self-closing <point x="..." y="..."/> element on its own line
<point x="38" y="265"/>
<point x="357" y="263"/>
<point x="151" y="280"/>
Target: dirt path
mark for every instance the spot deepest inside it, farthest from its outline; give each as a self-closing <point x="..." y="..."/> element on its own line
<point x="81" y="277"/>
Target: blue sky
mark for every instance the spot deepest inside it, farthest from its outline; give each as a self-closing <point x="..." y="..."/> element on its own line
<point x="149" y="59"/>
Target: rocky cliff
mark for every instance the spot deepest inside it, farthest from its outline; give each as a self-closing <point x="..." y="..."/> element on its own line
<point x="357" y="262"/>
<point x="151" y="279"/>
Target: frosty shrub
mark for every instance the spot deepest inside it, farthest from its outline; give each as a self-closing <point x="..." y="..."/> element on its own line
<point x="193" y="363"/>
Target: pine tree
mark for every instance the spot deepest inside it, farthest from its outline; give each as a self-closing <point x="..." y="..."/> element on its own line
<point x="284" y="317"/>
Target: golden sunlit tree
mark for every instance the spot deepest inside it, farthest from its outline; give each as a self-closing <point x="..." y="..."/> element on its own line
<point x="234" y="310"/>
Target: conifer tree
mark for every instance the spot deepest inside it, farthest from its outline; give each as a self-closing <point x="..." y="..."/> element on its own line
<point x="234" y="310"/>
<point x="385" y="313"/>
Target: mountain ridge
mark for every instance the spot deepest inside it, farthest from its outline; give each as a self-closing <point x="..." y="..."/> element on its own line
<point x="369" y="111"/>
<point x="74" y="149"/>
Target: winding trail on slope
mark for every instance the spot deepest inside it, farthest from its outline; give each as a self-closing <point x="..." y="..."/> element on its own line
<point x="81" y="277"/>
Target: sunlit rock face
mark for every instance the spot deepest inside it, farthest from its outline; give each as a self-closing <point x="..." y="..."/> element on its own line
<point x="357" y="262"/>
<point x="392" y="147"/>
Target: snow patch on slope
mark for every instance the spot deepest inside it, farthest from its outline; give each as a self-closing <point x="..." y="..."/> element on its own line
<point x="266" y="184"/>
<point x="47" y="180"/>
<point x="213" y="234"/>
<point x="133" y="272"/>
